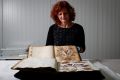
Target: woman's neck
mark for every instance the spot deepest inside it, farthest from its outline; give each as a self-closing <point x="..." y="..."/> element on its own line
<point x="66" y="25"/>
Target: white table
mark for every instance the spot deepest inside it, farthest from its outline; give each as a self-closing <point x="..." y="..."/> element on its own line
<point x="6" y="73"/>
<point x="110" y="72"/>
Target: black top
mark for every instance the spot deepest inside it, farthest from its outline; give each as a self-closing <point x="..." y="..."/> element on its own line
<point x="66" y="36"/>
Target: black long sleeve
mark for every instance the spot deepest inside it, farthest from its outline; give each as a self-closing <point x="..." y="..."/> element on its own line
<point x="81" y="39"/>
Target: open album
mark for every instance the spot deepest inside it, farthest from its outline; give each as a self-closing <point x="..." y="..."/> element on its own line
<point x="61" y="58"/>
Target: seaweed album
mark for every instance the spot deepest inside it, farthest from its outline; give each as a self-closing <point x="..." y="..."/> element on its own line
<point x="61" y="58"/>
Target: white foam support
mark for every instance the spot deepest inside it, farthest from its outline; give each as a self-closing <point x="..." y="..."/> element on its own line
<point x="108" y="73"/>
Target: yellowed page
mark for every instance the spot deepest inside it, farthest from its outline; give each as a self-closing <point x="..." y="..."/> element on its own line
<point x="38" y="56"/>
<point x="41" y="52"/>
<point x="67" y="54"/>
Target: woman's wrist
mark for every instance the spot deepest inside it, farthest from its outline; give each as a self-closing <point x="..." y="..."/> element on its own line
<point x="79" y="49"/>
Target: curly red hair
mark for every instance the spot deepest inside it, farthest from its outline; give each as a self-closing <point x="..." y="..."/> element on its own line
<point x="58" y="7"/>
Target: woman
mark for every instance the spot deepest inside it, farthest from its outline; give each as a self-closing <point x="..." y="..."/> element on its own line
<point x="65" y="31"/>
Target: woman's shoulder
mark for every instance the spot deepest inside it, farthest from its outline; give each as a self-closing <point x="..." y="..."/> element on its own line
<point x="76" y="25"/>
<point x="53" y="26"/>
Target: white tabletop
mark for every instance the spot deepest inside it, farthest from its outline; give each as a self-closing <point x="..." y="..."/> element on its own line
<point x="6" y="73"/>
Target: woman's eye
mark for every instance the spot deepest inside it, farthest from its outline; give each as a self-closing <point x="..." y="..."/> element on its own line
<point x="60" y="14"/>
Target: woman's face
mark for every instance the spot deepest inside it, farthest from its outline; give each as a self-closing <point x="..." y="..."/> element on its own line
<point x="63" y="16"/>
